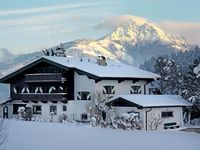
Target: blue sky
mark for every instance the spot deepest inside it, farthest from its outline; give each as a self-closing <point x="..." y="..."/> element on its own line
<point x="30" y="25"/>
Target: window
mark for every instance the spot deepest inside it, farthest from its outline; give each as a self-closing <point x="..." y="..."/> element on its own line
<point x="108" y="90"/>
<point x="64" y="108"/>
<point x="84" y="96"/>
<point x="84" y="117"/>
<point x="154" y="91"/>
<point x="16" y="106"/>
<point x="167" y="114"/>
<point x="37" y="109"/>
<point x="135" y="89"/>
<point x="16" y="90"/>
<point x="53" y="109"/>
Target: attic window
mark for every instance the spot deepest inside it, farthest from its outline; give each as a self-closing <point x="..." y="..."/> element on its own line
<point x="84" y="95"/>
<point x="108" y="90"/>
<point x="135" y="89"/>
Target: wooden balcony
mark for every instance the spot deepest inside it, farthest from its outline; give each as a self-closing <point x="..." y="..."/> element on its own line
<point x="44" y="96"/>
<point x="44" y="77"/>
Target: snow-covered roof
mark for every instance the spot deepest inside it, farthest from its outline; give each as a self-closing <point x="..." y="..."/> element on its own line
<point x="112" y="69"/>
<point x="153" y="100"/>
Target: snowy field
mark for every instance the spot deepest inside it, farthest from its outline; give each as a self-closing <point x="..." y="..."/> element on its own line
<point x="53" y="136"/>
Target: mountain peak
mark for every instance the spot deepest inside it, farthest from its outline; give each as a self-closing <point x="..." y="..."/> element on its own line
<point x="127" y="19"/>
<point x="137" y="30"/>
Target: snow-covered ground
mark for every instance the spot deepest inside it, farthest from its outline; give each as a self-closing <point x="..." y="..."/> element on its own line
<point x="54" y="136"/>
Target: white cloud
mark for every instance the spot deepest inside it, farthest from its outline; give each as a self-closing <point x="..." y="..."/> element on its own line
<point x="33" y="20"/>
<point x="189" y="30"/>
<point x="43" y="9"/>
<point x="111" y="23"/>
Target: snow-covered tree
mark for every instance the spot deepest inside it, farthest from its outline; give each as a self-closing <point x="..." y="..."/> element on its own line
<point x="21" y="113"/>
<point x="173" y="77"/>
<point x="191" y="90"/>
<point x="24" y="113"/>
<point x="180" y="74"/>
<point x="97" y="107"/>
<point x="59" y="51"/>
<point x="127" y="121"/>
<point x="107" y="116"/>
<point x="171" y="73"/>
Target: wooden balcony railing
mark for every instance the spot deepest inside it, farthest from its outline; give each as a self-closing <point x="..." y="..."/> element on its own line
<point x="45" y="77"/>
<point x="44" y="96"/>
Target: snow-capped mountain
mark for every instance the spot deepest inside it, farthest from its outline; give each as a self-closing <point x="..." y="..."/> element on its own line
<point x="5" y="54"/>
<point x="134" y="40"/>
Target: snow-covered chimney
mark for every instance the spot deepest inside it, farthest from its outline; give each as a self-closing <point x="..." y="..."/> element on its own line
<point x="101" y="60"/>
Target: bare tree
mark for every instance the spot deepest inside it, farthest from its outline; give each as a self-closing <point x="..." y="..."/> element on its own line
<point x="154" y="121"/>
<point x="107" y="116"/>
<point x="3" y="133"/>
<point x="60" y="50"/>
<point x="97" y="107"/>
<point x="46" y="52"/>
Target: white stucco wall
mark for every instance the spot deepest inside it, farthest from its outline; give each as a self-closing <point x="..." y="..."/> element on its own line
<point x="122" y="88"/>
<point x="76" y="108"/>
<point x="45" y="115"/>
<point x="83" y="83"/>
<point x="177" y="114"/>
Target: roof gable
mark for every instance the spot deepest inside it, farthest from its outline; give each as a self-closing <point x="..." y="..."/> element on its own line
<point x="121" y="102"/>
<point x="28" y="66"/>
<point x="153" y="100"/>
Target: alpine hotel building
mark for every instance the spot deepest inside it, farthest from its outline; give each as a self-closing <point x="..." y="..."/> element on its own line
<point x="65" y="85"/>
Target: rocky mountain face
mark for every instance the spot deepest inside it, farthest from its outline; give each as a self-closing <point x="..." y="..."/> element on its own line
<point x="133" y="41"/>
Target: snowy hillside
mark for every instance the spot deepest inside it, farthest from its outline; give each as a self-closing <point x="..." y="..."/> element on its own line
<point x="5" y="54"/>
<point x="52" y="136"/>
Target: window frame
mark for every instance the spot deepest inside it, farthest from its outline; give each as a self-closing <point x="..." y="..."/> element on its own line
<point x="54" y="110"/>
<point x="165" y="114"/>
<point x="84" y="116"/>
<point x="84" y="95"/>
<point x="36" y="112"/>
<point x="108" y="89"/>
<point x="64" y="108"/>
<point x="14" y="106"/>
<point x="134" y="90"/>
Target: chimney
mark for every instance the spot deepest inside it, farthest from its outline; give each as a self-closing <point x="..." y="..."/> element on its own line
<point x="101" y="60"/>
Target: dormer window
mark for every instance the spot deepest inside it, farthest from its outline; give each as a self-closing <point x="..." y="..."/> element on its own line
<point x="135" y="89"/>
<point x="84" y="95"/>
<point x="109" y="90"/>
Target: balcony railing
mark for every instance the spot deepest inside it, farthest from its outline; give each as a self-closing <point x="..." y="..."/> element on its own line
<point x="44" y="96"/>
<point x="45" y="77"/>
